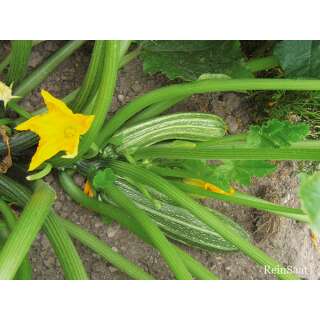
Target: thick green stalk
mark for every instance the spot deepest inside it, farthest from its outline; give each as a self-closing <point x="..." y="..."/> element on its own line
<point x="25" y="231"/>
<point x="152" y="230"/>
<point x="25" y="270"/>
<point x="20" y="53"/>
<point x="261" y="64"/>
<point x="42" y="72"/>
<point x="225" y="153"/>
<point x="129" y="57"/>
<point x="7" y="59"/>
<point x="127" y="222"/>
<point x="63" y="246"/>
<point x="102" y="102"/>
<point x="105" y="251"/>
<point x="240" y="198"/>
<point x="196" y="87"/>
<point x="206" y="216"/>
<point x="154" y="110"/>
<point x="92" y="79"/>
<point x="123" y="47"/>
<point x="61" y="242"/>
<point x="5" y="62"/>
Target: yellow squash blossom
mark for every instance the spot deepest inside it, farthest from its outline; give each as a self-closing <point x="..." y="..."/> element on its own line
<point x="6" y="93"/>
<point x="208" y="186"/>
<point x="88" y="189"/>
<point x="59" y="129"/>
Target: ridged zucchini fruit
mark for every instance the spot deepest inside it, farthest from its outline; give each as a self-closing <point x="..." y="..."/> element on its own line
<point x="190" y="126"/>
<point x="176" y="222"/>
<point x="19" y="143"/>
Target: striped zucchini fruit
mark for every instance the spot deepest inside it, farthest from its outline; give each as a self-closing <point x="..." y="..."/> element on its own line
<point x="176" y="222"/>
<point x="190" y="126"/>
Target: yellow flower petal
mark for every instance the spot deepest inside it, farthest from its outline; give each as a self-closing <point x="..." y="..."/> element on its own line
<point x="53" y="104"/>
<point x="59" y="130"/>
<point x="45" y="151"/>
<point x="88" y="189"/>
<point x="208" y="186"/>
<point x="71" y="148"/>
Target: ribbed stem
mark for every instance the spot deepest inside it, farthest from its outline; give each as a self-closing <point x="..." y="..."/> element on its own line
<point x="127" y="222"/>
<point x="63" y="246"/>
<point x="154" y="110"/>
<point x="206" y="216"/>
<point x="20" y="53"/>
<point x="233" y="153"/>
<point x="102" y="102"/>
<point x="40" y="73"/>
<point x="25" y="231"/>
<point x="240" y="198"/>
<point x="59" y="239"/>
<point x="261" y="64"/>
<point x="203" y="86"/>
<point x="92" y="79"/>
<point x="25" y="270"/>
<point x="105" y="251"/>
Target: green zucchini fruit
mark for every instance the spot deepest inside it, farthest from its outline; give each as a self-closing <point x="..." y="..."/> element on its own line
<point x="176" y="222"/>
<point x="19" y="143"/>
<point x="181" y="126"/>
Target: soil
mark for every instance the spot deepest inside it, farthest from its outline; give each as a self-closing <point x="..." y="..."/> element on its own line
<point x="286" y="240"/>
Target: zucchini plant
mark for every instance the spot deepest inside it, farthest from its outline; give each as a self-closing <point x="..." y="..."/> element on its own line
<point x="147" y="171"/>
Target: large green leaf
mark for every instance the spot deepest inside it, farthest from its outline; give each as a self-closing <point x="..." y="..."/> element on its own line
<point x="299" y="58"/>
<point x="188" y="60"/>
<point x="309" y="194"/>
<point x="229" y="171"/>
<point x="276" y="134"/>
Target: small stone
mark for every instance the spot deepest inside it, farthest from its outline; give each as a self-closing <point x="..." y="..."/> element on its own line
<point x="115" y="249"/>
<point x="113" y="269"/>
<point x="112" y="230"/>
<point x="121" y="97"/>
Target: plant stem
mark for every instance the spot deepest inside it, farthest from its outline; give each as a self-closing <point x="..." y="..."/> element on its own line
<point x="7" y="59"/>
<point x="39" y="74"/>
<point x="102" y="102"/>
<point x="105" y="251"/>
<point x="154" y="110"/>
<point x="61" y="242"/>
<point x="240" y="198"/>
<point x="152" y="230"/>
<point x="260" y="64"/>
<point x="25" y="231"/>
<point x="25" y="270"/>
<point x="124" y="46"/>
<point x="196" y="87"/>
<point x="226" y="153"/>
<point x="206" y="216"/>
<point x="92" y="79"/>
<point x="63" y="246"/>
<point x="129" y="57"/>
<point x="20" y="54"/>
<point x="127" y="222"/>
<point x="19" y="110"/>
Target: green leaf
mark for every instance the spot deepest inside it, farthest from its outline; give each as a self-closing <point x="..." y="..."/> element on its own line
<point x="188" y="60"/>
<point x="299" y="58"/>
<point x="242" y="171"/>
<point x="309" y="195"/>
<point x="103" y="178"/>
<point x="230" y="171"/>
<point x="276" y="134"/>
